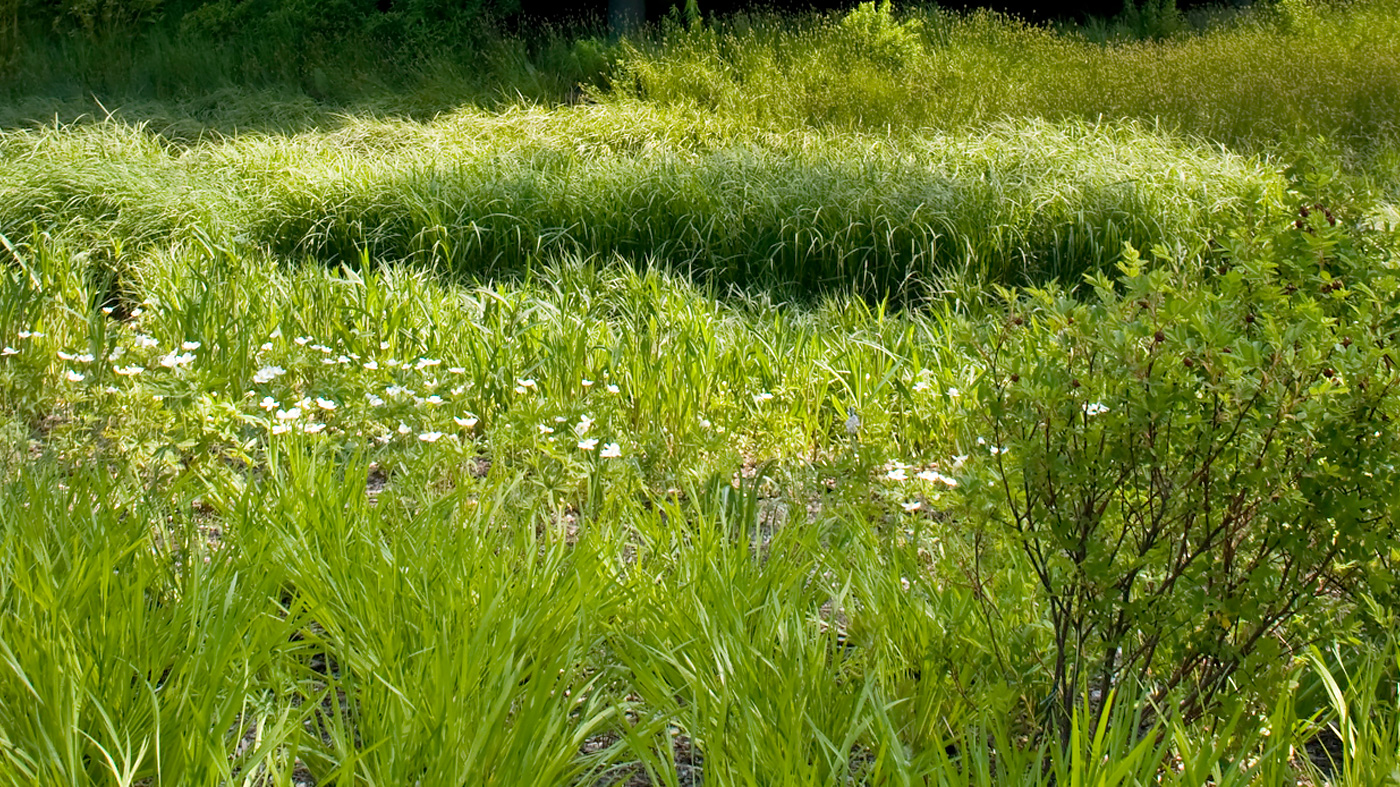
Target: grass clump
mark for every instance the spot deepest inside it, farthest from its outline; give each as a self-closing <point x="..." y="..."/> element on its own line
<point x="801" y="212"/>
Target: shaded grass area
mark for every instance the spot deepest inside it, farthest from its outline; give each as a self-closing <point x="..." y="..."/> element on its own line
<point x="799" y="212"/>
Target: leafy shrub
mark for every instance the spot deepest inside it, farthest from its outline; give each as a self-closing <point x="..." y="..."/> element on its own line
<point x="1151" y="18"/>
<point x="1186" y="464"/>
<point x="877" y="35"/>
<point x="98" y="19"/>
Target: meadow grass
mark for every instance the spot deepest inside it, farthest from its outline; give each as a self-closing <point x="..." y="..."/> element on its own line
<point x="326" y="521"/>
<point x="667" y="433"/>
<point x="480" y="193"/>
<point x="1272" y="76"/>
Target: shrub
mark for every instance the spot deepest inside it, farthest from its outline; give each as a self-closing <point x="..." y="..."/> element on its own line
<point x="1188" y="466"/>
<point x="878" y="36"/>
<point x="98" y="19"/>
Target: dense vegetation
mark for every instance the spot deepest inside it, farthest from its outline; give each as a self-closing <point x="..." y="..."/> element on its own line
<point x="890" y="397"/>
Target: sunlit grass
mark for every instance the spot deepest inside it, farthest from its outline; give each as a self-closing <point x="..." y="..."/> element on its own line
<point x="403" y="440"/>
<point x="1275" y="74"/>
<point x="800" y="212"/>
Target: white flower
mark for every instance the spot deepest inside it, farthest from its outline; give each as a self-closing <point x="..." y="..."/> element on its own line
<point x="996" y="449"/>
<point x="587" y="383"/>
<point x="189" y="345"/>
<point x="144" y="342"/>
<point x="934" y="476"/>
<point x="403" y="428"/>
<point x="9" y="351"/>
<point x="434" y="399"/>
<point x="457" y="369"/>
<point x="613" y="388"/>
<point x="312" y="428"/>
<point x="430" y="437"/>
<point x="30" y="334"/>
<point x="958" y="461"/>
<point x="545" y="429"/>
<point x="63" y="356"/>
<point x="396" y="390"/>
<point x="583" y="425"/>
<point x="266" y="347"/>
<point x="172" y="360"/>
<point x="267" y="374"/>
<point x="391" y="362"/>
<point x="74" y="377"/>
<point x="281" y="428"/>
<point x="304" y="340"/>
<point x="342" y="359"/>
<point x="954" y="393"/>
<point x="897" y="474"/>
<point x="384" y="345"/>
<point x="276" y="333"/>
<point x="424" y="363"/>
<point x="611" y="451"/>
<point x="588" y="444"/>
<point x="128" y="371"/>
<point x="269" y="404"/>
<point x="374" y="401"/>
<point x="84" y="358"/>
<point x="526" y="383"/>
<point x="371" y="365"/>
<point x="763" y="397"/>
<point x="326" y="404"/>
<point x="1095" y="408"/>
<point x="922" y="385"/>
<point x="465" y="423"/>
<point x="289" y="415"/>
<point x="913" y="506"/>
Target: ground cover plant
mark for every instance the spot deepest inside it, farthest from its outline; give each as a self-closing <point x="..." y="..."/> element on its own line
<point x="740" y="412"/>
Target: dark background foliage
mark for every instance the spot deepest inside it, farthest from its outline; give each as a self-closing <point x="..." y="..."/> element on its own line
<point x="304" y="21"/>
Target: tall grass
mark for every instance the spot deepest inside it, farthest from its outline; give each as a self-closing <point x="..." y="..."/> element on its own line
<point x="431" y="542"/>
<point x="805" y="211"/>
<point x="296" y="487"/>
<point x="1282" y="73"/>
